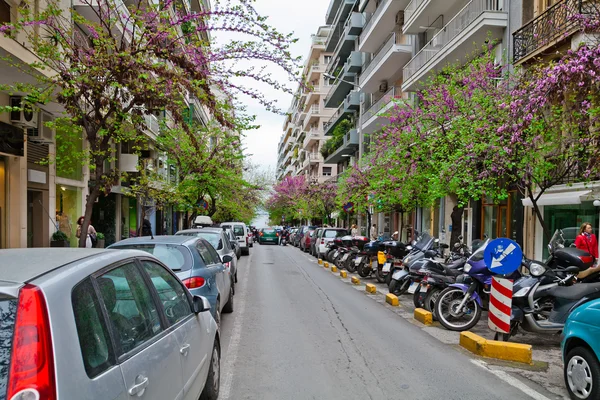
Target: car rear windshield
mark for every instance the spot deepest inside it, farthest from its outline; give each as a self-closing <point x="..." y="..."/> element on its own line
<point x="334" y="233"/>
<point x="8" y="312"/>
<point x="238" y="230"/>
<point x="268" y="230"/>
<point x="174" y="256"/>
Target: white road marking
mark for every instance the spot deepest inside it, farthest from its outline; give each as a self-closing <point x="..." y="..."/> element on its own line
<point x="236" y="335"/>
<point x="506" y="377"/>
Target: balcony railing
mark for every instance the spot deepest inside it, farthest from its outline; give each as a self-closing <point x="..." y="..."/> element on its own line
<point x="373" y="18"/>
<point x="395" y="93"/>
<point x="451" y="30"/>
<point x="411" y="8"/>
<point x="390" y="42"/>
<point x="152" y="124"/>
<point x="318" y="40"/>
<point x="315" y="157"/>
<point x="549" y="26"/>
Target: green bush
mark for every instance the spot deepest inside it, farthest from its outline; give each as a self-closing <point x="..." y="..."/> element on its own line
<point x="100" y="236"/>
<point x="337" y="138"/>
<point x="59" y="236"/>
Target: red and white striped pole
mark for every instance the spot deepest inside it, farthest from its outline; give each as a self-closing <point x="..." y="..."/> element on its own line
<point x="500" y="305"/>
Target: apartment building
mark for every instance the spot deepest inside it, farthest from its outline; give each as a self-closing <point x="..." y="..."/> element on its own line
<point x="36" y="198"/>
<point x="304" y="136"/>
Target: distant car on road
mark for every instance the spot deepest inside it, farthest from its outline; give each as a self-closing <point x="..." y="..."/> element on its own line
<point x="241" y="232"/>
<point x="102" y="324"/>
<point x="314" y="242"/>
<point x="306" y="239"/>
<point x="581" y="351"/>
<point x="195" y="262"/>
<point x="300" y="234"/>
<point x="217" y="237"/>
<point x="268" y="235"/>
<point x="327" y="235"/>
<point x="233" y="241"/>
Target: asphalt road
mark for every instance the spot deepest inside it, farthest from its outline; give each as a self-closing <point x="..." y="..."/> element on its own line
<point x="298" y="332"/>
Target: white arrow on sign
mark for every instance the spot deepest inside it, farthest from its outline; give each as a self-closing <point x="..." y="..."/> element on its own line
<point x="497" y="262"/>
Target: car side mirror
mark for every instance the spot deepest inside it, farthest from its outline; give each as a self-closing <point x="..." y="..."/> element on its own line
<point x="572" y="270"/>
<point x="201" y="304"/>
<point x="227" y="258"/>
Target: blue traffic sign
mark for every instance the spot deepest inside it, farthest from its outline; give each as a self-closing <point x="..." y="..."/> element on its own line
<point x="503" y="256"/>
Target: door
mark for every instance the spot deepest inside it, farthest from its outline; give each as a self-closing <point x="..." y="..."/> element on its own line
<point x="148" y="354"/>
<point x="503" y="222"/>
<point x="35" y="219"/>
<point x="467" y="226"/>
<point x="214" y="264"/>
<point x="195" y="346"/>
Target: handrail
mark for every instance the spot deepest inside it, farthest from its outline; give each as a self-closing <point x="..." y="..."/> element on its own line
<point x="393" y="93"/>
<point x="374" y="16"/>
<point x="411" y="8"/>
<point x="382" y="51"/>
<point x="465" y="17"/>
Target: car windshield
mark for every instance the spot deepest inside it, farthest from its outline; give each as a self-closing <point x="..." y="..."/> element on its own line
<point x="174" y="256"/>
<point x="213" y="238"/>
<point x="330" y="234"/>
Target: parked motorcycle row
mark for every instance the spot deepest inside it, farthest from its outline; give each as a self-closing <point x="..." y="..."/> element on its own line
<point x="455" y="285"/>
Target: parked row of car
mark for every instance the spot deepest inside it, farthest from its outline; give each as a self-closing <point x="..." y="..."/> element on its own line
<point x="313" y="239"/>
<point x="138" y="319"/>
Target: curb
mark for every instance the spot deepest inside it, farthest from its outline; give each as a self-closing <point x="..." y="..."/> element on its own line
<point x="355" y="280"/>
<point x="334" y="268"/>
<point x="320" y="261"/>
<point x="423" y="316"/>
<point x="392" y="300"/>
<point x="494" y="349"/>
<point x="371" y="288"/>
<point x="343" y="274"/>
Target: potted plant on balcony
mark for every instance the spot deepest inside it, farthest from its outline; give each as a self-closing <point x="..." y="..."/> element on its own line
<point x="59" y="239"/>
<point x="100" y="238"/>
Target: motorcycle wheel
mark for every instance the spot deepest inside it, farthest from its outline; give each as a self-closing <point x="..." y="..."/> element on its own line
<point x="419" y="298"/>
<point x="379" y="276"/>
<point x="349" y="265"/>
<point x="453" y="319"/>
<point x="399" y="287"/>
<point x="338" y="262"/>
<point x="430" y="299"/>
<point x="362" y="270"/>
<point x="388" y="278"/>
<point x="329" y="256"/>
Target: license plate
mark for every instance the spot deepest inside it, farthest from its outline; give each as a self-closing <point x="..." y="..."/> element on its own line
<point x="386" y="267"/>
<point x="398" y="274"/>
<point x="336" y="254"/>
<point x="345" y="256"/>
<point x="357" y="260"/>
<point x="413" y="287"/>
<point x="424" y="289"/>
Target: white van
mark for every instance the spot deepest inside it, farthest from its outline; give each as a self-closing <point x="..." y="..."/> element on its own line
<point x="242" y="234"/>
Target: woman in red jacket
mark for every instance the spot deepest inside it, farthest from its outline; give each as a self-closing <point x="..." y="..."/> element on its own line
<point x="586" y="240"/>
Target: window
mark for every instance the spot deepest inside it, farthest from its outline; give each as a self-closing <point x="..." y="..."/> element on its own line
<point x="171" y="293"/>
<point x="238" y="230"/>
<point x="132" y="312"/>
<point x="213" y="238"/>
<point x="330" y="234"/>
<point x="214" y="254"/>
<point x="94" y="341"/>
<point x="326" y="171"/>
<point x="206" y="254"/>
<point x="4" y="12"/>
<point x="174" y="256"/>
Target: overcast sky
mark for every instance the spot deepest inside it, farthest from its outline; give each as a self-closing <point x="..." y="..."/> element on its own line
<point x="303" y="19"/>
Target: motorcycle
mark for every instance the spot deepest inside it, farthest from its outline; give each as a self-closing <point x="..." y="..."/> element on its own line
<point x="333" y="249"/>
<point x="401" y="279"/>
<point x="459" y="306"/>
<point x="345" y="252"/>
<point x="369" y="259"/>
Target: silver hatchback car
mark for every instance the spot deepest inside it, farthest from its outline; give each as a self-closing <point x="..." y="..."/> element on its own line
<point x="102" y="324"/>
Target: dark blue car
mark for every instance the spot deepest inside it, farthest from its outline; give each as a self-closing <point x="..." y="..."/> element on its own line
<point x="195" y="262"/>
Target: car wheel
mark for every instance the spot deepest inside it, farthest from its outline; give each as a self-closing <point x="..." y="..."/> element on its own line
<point x="213" y="380"/>
<point x="582" y="374"/>
<point x="229" y="306"/>
<point x="245" y="251"/>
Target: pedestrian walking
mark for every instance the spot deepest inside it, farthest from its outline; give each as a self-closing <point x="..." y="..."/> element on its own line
<point x="91" y="239"/>
<point x="587" y="241"/>
<point x="146" y="228"/>
<point x="374" y="232"/>
<point x="354" y="230"/>
<point x="395" y="236"/>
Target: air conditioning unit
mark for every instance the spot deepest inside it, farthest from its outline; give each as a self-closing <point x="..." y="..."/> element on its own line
<point x="22" y="118"/>
<point x="400" y="18"/>
<point x="383" y="87"/>
<point x="42" y="134"/>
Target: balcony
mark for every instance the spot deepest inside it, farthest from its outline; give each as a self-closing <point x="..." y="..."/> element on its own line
<point x="350" y="105"/>
<point x="373" y="114"/>
<point x="314" y="70"/>
<point x="342" y="87"/>
<point x="419" y="14"/>
<point x="347" y="148"/>
<point x="152" y="126"/>
<point x="474" y="24"/>
<point x="350" y="31"/>
<point x="312" y="136"/>
<point x="547" y="29"/>
<point x="381" y="23"/>
<point x="387" y="62"/>
<point x="339" y="25"/>
<point x="314" y="95"/>
<point x="314" y="112"/>
<point x="91" y="12"/>
<point x="332" y="10"/>
<point x="315" y="158"/>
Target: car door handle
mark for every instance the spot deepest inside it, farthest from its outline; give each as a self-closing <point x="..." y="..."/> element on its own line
<point x="184" y="349"/>
<point x="139" y="388"/>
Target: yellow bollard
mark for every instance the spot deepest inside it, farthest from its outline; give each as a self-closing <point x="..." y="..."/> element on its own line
<point x="392" y="300"/>
<point x="355" y="280"/>
<point x="326" y="265"/>
<point x="343" y="274"/>
<point x="320" y="261"/>
<point x="371" y="288"/>
<point x="334" y="268"/>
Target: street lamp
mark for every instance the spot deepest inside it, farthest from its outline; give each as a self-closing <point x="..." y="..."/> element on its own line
<point x="329" y="76"/>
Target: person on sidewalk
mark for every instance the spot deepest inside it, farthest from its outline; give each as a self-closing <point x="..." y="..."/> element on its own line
<point x="587" y="241"/>
<point x="374" y="232"/>
<point x="354" y="230"/>
<point x="90" y="232"/>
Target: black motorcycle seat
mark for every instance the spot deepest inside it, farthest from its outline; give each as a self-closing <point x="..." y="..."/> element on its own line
<point x="574" y="292"/>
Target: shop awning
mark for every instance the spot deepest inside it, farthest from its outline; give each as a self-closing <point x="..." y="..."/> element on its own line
<point x="556" y="199"/>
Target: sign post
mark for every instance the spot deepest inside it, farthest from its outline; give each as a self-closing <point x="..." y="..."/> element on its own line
<point x="502" y="256"/>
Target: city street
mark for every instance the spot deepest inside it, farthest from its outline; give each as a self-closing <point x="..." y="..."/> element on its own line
<point x="299" y="332"/>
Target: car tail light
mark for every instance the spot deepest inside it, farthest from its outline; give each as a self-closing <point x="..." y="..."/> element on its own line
<point x="322" y="241"/>
<point x="31" y="373"/>
<point x="194" y="282"/>
<point x="227" y="264"/>
<point x="261" y="233"/>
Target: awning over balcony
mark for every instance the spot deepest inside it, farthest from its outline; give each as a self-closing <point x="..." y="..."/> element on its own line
<point x="556" y="199"/>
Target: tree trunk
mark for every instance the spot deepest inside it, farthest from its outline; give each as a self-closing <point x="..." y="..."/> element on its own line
<point x="87" y="216"/>
<point x="456" y="217"/>
<point x="539" y="216"/>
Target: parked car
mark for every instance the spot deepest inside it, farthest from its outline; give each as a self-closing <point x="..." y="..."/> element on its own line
<point x="102" y="324"/>
<point x="217" y="237"/>
<point x="233" y="241"/>
<point x="241" y="232"/>
<point x="327" y="235"/>
<point x="314" y="241"/>
<point x="268" y="235"/>
<point x="195" y="262"/>
<point x="581" y="351"/>
<point x="300" y="234"/>
<point x="306" y="239"/>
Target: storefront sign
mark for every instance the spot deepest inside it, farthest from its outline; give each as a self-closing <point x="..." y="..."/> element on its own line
<point x="12" y="140"/>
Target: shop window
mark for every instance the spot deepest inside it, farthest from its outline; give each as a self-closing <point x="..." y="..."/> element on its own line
<point x="326" y="171"/>
<point x="4" y="12"/>
<point x="68" y="210"/>
<point x="569" y="218"/>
